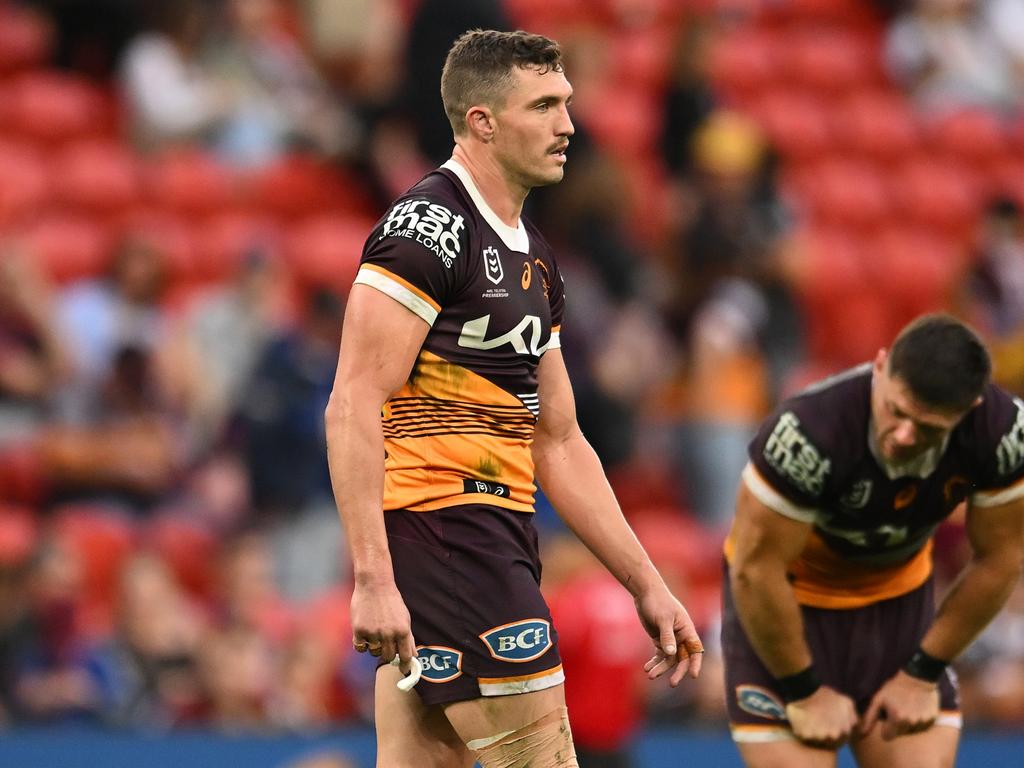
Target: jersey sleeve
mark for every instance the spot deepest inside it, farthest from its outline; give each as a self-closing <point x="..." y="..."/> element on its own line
<point x="787" y="470"/>
<point x="1000" y="430"/>
<point x="416" y="254"/>
<point x="556" y="299"/>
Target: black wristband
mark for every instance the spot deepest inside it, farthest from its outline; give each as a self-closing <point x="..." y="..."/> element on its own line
<point x="925" y="667"/>
<point x="798" y="686"/>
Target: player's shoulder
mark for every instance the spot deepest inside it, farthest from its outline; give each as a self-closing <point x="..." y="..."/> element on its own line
<point x="998" y="421"/>
<point x="835" y="409"/>
<point x="814" y="437"/>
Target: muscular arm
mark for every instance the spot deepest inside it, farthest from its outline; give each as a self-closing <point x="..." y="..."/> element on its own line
<point x="765" y="542"/>
<point x="574" y="481"/>
<point x="379" y="345"/>
<point x="996" y="535"/>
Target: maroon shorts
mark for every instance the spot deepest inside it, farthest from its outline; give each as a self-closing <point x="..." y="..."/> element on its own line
<point x="470" y="576"/>
<point x="855" y="651"/>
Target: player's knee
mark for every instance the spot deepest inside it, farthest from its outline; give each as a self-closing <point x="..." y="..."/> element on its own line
<point x="544" y="743"/>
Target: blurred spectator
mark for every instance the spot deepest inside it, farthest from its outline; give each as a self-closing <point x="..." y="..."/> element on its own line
<point x="434" y="27"/>
<point x="603" y="649"/>
<point x="30" y="358"/>
<point x="238" y="672"/>
<point x="55" y="681"/>
<point x="731" y="303"/>
<point x="279" y="100"/>
<point x="90" y="34"/>
<point x="172" y="95"/>
<point x="18" y="541"/>
<point x="148" y="669"/>
<point x="248" y="595"/>
<point x="689" y="99"/>
<point x="302" y="694"/>
<point x="994" y="294"/>
<point x="285" y="447"/>
<point x="956" y="53"/>
<point x="221" y="337"/>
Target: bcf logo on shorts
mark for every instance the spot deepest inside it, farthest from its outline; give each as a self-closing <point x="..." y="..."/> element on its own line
<point x="440" y="664"/>
<point x="519" y="641"/>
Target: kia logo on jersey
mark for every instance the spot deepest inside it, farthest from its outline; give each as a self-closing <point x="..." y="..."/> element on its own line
<point x="519" y="641"/>
<point x="492" y="265"/>
<point x="440" y="664"/>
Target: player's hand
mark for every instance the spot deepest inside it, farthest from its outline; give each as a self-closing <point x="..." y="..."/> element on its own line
<point x="381" y="623"/>
<point x="904" y="705"/>
<point x="676" y="643"/>
<point x="825" y="719"/>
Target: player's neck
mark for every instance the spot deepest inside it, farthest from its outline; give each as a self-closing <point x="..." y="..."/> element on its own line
<point x="503" y="196"/>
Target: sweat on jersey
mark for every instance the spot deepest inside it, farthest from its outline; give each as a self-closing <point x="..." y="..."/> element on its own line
<point x="460" y="429"/>
<point x="872" y="525"/>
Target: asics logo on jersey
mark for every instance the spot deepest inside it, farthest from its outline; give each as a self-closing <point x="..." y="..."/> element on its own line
<point x="430" y="224"/>
<point x="1010" y="453"/>
<point x="474" y="336"/>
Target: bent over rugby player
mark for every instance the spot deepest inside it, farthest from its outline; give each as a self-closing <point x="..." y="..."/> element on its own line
<point x="829" y="631"/>
<point x="451" y="397"/>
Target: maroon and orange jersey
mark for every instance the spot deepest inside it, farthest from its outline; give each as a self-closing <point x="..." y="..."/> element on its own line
<point x="813" y="460"/>
<point x="461" y="428"/>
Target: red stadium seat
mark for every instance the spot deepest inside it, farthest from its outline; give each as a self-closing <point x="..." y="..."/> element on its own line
<point x="22" y="475"/>
<point x="24" y="183"/>
<point x="829" y="59"/>
<point x="53" y="107"/>
<point x="174" y="236"/>
<point x="796" y="123"/>
<point x="642" y="57"/>
<point x="844" y="193"/>
<point x="847" y="12"/>
<point x="301" y="186"/>
<point x="876" y="123"/>
<point x="97" y="176"/>
<point x="628" y="130"/>
<point x="69" y="247"/>
<point x="188" y="547"/>
<point x="223" y="241"/>
<point x="102" y="538"/>
<point x="946" y="196"/>
<point x="325" y="250"/>
<point x="744" y="63"/>
<point x="190" y="181"/>
<point x="973" y="136"/>
<point x="915" y="269"/>
<point x="25" y="38"/>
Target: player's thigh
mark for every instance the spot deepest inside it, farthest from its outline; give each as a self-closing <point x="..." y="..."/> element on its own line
<point x="788" y="753"/>
<point x="411" y="734"/>
<point x="487" y="716"/>
<point x="934" y="748"/>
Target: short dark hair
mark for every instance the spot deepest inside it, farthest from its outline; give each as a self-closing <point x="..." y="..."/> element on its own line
<point x="942" y="361"/>
<point x="478" y="69"/>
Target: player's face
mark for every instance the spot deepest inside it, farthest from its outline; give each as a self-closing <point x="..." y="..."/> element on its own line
<point x="904" y="426"/>
<point x="533" y="127"/>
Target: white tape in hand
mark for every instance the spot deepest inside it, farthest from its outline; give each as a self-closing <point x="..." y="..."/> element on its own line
<point x="415" y="670"/>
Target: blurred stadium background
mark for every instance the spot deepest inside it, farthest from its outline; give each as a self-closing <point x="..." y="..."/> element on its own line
<point x="760" y="192"/>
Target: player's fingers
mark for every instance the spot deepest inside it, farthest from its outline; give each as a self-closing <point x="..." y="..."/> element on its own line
<point x="654" y="661"/>
<point x="659" y="669"/>
<point x="871" y="716"/>
<point x="667" y="637"/>
<point x="694" y="649"/>
<point x="406" y="650"/>
<point x="682" y="667"/>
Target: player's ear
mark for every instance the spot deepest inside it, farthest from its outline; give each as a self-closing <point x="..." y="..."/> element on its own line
<point x="480" y="121"/>
<point x="880" y="359"/>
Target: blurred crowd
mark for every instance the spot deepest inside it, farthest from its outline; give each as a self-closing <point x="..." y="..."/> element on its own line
<point x="759" y="193"/>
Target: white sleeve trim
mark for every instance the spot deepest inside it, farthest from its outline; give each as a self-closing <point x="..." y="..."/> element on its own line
<point x="775" y="500"/>
<point x="999" y="496"/>
<point x="556" y="340"/>
<point x="398" y="292"/>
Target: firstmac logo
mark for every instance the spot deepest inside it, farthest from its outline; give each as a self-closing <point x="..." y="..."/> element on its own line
<point x="519" y="641"/>
<point x="430" y="224"/>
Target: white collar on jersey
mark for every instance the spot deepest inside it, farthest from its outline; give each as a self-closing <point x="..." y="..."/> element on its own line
<point x="919" y="467"/>
<point x="514" y="238"/>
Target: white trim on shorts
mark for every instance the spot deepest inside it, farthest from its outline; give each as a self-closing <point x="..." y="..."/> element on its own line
<point x="508" y="686"/>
